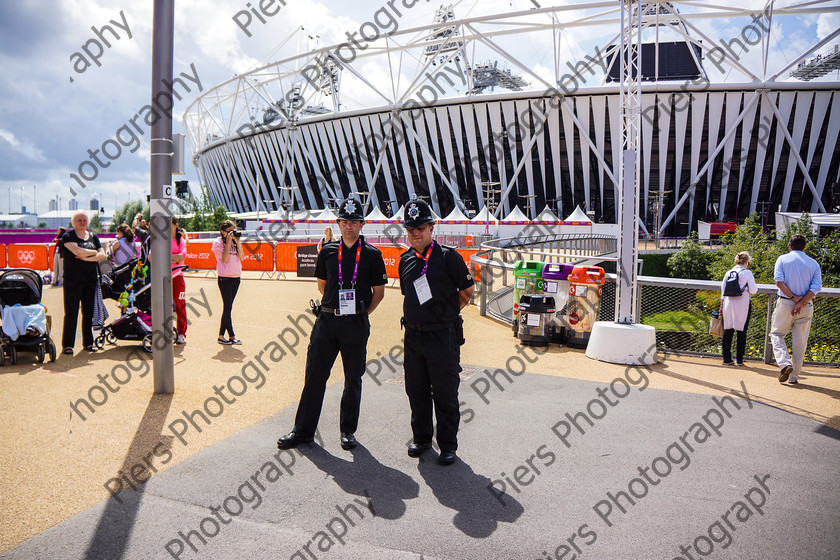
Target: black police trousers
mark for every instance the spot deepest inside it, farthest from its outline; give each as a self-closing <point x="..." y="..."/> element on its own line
<point x="332" y="334"/>
<point x="432" y="367"/>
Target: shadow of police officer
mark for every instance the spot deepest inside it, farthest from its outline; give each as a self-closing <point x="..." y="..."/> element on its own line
<point x="385" y="487"/>
<point x="477" y="512"/>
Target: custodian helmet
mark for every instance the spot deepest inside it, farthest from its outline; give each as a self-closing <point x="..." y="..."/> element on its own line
<point x="417" y="213"/>
<point x="351" y="210"/>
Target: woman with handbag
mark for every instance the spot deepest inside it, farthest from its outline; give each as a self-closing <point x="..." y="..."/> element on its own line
<point x="735" y="307"/>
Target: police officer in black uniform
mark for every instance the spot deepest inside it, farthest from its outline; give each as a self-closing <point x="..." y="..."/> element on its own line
<point x="436" y="285"/>
<point x="351" y="277"/>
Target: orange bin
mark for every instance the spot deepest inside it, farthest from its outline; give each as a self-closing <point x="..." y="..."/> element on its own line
<point x="585" y="291"/>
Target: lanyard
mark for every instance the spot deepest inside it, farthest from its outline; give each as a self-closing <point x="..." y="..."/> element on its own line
<point x="355" y="267"/>
<point x="426" y="258"/>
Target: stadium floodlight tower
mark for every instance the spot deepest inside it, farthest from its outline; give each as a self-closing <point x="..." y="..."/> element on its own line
<point x="624" y="341"/>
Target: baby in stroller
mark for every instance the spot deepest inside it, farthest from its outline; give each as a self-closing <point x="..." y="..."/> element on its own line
<point x="26" y="325"/>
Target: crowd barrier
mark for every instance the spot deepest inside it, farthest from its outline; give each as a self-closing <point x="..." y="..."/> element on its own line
<point x="258" y="256"/>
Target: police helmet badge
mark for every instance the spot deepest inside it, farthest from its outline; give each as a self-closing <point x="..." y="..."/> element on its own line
<point x="413" y="211"/>
<point x="350" y="207"/>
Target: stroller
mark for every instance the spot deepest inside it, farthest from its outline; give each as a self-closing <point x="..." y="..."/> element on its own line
<point x="130" y="285"/>
<point x="24" y="286"/>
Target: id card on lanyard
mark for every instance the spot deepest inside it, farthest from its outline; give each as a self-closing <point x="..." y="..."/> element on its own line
<point x="421" y="285"/>
<point x="347" y="298"/>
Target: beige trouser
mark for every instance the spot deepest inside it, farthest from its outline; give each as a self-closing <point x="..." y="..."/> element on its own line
<point x="799" y="325"/>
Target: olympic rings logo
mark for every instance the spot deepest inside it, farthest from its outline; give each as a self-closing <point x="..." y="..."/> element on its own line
<point x="26" y="257"/>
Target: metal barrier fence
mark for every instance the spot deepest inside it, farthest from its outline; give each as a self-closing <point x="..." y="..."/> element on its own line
<point x="679" y="309"/>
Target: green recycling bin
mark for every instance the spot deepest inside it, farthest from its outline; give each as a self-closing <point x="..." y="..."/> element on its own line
<point x="527" y="279"/>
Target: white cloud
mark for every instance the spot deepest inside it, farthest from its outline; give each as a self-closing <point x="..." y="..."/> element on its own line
<point x="826" y="24"/>
<point x="26" y="148"/>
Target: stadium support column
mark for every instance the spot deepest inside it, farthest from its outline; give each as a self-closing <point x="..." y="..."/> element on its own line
<point x="161" y="192"/>
<point x="623" y="341"/>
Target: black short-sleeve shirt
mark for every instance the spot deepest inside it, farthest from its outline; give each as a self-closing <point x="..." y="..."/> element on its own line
<point x="447" y="275"/>
<point x="371" y="271"/>
<point x="76" y="269"/>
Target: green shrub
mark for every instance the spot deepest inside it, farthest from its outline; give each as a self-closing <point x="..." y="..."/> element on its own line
<point x="691" y="261"/>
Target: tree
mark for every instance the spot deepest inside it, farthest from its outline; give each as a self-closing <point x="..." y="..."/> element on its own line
<point x="691" y="261"/>
<point x="125" y="214"/>
<point x="205" y="216"/>
<point x="42" y="225"/>
<point x="749" y="237"/>
<point x="96" y="223"/>
<point x="803" y="226"/>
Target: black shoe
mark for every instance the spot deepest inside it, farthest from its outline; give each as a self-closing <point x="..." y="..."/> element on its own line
<point x="446" y="458"/>
<point x="348" y="441"/>
<point x="417" y="449"/>
<point x="786" y="371"/>
<point x="293" y="439"/>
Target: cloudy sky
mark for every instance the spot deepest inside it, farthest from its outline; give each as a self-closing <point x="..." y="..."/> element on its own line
<point x="60" y="99"/>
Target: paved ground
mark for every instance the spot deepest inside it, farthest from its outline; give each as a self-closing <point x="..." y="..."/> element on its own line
<point x="529" y="484"/>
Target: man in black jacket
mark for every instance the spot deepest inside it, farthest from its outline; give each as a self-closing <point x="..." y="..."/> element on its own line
<point x="351" y="277"/>
<point x="436" y="285"/>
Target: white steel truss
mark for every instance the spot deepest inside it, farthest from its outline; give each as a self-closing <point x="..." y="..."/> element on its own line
<point x="254" y="109"/>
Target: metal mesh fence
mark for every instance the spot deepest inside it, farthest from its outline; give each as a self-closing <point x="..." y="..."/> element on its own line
<point x="681" y="316"/>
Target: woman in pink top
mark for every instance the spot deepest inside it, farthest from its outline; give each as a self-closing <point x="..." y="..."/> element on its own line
<point x="179" y="287"/>
<point x="227" y="248"/>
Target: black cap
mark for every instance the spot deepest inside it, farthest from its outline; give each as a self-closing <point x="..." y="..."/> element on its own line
<point x="351" y="210"/>
<point x="417" y="213"/>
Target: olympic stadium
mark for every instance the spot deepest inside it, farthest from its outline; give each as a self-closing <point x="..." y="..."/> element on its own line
<point x="519" y="113"/>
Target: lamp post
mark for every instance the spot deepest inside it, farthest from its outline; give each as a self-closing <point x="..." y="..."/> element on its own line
<point x="490" y="201"/>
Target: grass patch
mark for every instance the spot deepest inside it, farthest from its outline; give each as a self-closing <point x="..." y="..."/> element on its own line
<point x="677" y="321"/>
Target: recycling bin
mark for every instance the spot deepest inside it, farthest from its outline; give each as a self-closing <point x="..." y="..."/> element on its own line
<point x="536" y="319"/>
<point x="527" y="279"/>
<point x="586" y="286"/>
<point x="556" y="284"/>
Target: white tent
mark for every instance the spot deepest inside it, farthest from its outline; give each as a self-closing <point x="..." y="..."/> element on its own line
<point x="547" y="216"/>
<point x="326" y="215"/>
<point x="376" y="215"/>
<point x="399" y="215"/>
<point x="516" y="215"/>
<point x="818" y="220"/>
<point x="483" y="216"/>
<point x="578" y="216"/>
<point x="456" y="216"/>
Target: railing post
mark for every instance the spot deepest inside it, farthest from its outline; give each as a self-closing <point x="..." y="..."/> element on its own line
<point x="768" y="347"/>
<point x="638" y="298"/>
<point x="485" y="287"/>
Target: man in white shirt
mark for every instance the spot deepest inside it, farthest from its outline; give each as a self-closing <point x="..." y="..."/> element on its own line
<point x="799" y="279"/>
